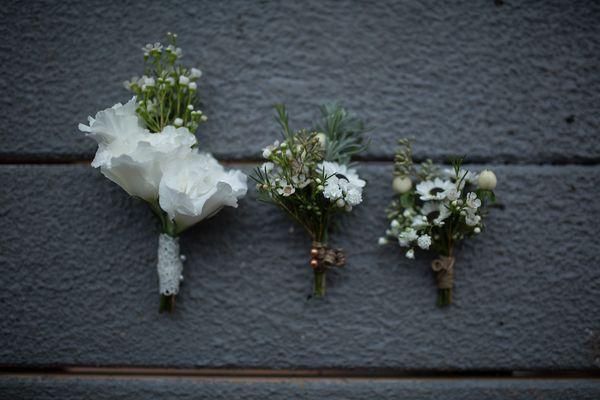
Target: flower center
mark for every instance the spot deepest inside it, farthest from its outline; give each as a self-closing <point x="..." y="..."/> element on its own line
<point x="433" y="215"/>
<point x="435" y="191"/>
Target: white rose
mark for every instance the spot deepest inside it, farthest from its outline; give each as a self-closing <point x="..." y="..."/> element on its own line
<point x="401" y="184"/>
<point x="487" y="180"/>
<point x="131" y="156"/>
<point x="197" y="187"/>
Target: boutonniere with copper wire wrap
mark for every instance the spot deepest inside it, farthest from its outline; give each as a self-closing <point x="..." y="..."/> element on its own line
<point x="308" y="175"/>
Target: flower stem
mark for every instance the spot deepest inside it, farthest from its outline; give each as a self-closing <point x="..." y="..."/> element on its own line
<point x="444" y="297"/>
<point x="319" y="283"/>
<point x="167" y="303"/>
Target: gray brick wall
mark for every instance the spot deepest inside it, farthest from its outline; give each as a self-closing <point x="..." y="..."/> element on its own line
<point x="515" y="86"/>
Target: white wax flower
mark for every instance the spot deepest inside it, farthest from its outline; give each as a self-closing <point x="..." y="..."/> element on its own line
<point x="267" y="167"/>
<point x="195" y="73"/>
<point x="382" y="241"/>
<point x="197" y="187"/>
<point x="193" y="86"/>
<point x="410" y="254"/>
<point x="472" y="201"/>
<point x="401" y="184"/>
<point x="487" y="180"/>
<point x="131" y="156"/>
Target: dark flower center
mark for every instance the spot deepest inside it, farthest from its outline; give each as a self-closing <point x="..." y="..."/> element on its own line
<point x="435" y="191"/>
<point x="433" y="215"/>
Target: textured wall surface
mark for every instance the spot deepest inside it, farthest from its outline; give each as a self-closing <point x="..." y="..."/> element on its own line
<point x="518" y="82"/>
<point x="514" y="85"/>
<point x="275" y="389"/>
<point x="86" y="291"/>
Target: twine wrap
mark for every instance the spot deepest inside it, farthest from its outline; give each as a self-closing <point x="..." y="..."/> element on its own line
<point x="444" y="267"/>
<point x="324" y="257"/>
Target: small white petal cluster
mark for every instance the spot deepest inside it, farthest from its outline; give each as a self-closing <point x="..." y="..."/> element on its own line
<point x="441" y="198"/>
<point x="161" y="168"/>
<point x="342" y="184"/>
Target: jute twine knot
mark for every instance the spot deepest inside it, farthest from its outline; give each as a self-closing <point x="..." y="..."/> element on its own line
<point x="323" y="257"/>
<point x="444" y="267"/>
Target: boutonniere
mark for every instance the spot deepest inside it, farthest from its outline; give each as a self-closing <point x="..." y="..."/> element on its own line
<point x="435" y="210"/>
<point x="148" y="147"/>
<point x="308" y="175"/>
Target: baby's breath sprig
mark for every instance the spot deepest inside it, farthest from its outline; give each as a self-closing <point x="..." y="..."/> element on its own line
<point x="167" y="91"/>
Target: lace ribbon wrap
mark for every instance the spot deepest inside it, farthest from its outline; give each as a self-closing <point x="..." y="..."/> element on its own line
<point x="323" y="257"/>
<point x="169" y="266"/>
<point x="444" y="267"/>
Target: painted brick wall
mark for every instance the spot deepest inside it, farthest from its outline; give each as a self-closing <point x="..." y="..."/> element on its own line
<point x="515" y="85"/>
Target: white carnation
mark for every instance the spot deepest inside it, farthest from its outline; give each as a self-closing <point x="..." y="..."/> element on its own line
<point x="197" y="187"/>
<point x="131" y="156"/>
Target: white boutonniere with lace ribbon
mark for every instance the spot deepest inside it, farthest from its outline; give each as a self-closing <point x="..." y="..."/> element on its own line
<point x="148" y="147"/>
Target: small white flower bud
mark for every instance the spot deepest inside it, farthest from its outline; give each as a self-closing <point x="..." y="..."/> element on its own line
<point x="193" y="86"/>
<point x="204" y="118"/>
<point x="178" y="122"/>
<point x="348" y="207"/>
<point x="190" y="107"/>
<point x="381" y="241"/>
<point x="477" y="229"/>
<point x="322" y="139"/>
<point x="340" y="202"/>
<point x="487" y="180"/>
<point x="184" y="80"/>
<point x="320" y="188"/>
<point x="401" y="184"/>
<point x="410" y="254"/>
<point x="195" y="73"/>
<point x="395" y="223"/>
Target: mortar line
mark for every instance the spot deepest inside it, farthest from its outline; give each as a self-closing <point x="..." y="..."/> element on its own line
<point x="293" y="374"/>
<point x="367" y="161"/>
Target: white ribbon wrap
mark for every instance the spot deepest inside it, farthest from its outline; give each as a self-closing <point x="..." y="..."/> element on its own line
<point x="169" y="266"/>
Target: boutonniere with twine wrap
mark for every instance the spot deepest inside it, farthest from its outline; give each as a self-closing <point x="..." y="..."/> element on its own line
<point x="148" y="147"/>
<point x="441" y="209"/>
<point x="308" y="176"/>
